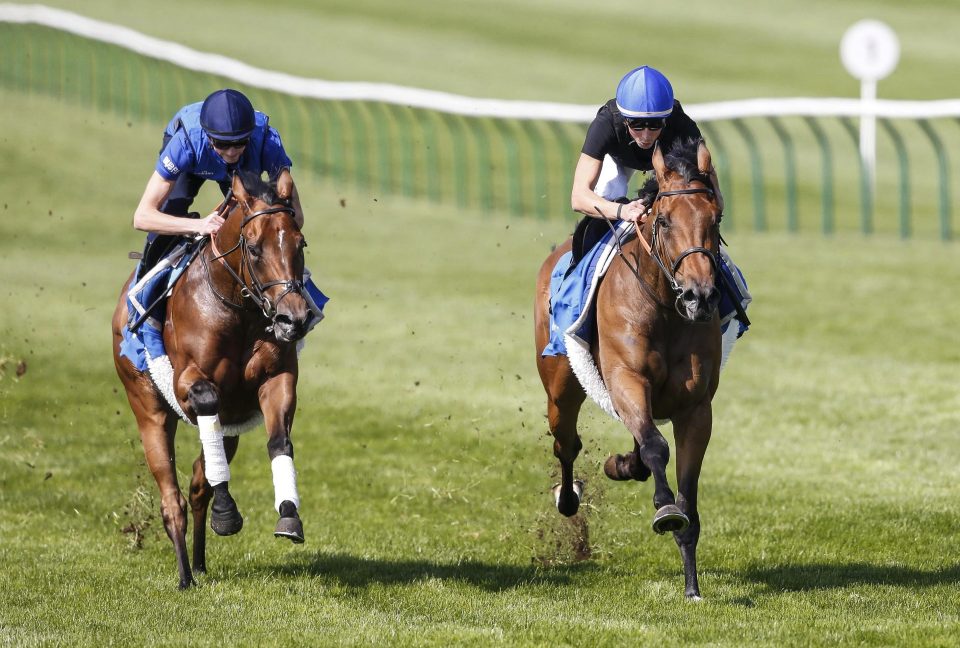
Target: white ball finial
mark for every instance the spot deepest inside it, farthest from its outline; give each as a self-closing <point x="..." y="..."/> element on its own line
<point x="870" y="50"/>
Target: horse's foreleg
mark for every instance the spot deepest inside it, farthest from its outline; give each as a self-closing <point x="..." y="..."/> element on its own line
<point x="200" y="495"/>
<point x="564" y="398"/>
<point x="156" y="435"/>
<point x="203" y="400"/>
<point x="631" y="397"/>
<point x="278" y="401"/>
<point x="692" y="433"/>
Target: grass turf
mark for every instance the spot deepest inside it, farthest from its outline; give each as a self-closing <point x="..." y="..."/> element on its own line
<point x="827" y="494"/>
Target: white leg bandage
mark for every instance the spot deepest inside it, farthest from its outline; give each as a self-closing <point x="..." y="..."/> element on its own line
<point x="284" y="481"/>
<point x="214" y="456"/>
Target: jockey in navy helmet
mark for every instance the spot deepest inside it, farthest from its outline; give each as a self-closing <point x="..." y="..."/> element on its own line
<point x="210" y="140"/>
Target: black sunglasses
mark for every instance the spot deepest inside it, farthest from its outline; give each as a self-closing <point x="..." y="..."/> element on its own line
<point x="645" y="124"/>
<point x="229" y="144"/>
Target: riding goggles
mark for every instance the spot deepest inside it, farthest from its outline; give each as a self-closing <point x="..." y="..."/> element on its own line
<point x="223" y="145"/>
<point x="645" y="124"/>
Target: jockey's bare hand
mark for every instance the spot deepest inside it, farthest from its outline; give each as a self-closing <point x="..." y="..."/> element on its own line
<point x="634" y="212"/>
<point x="209" y="224"/>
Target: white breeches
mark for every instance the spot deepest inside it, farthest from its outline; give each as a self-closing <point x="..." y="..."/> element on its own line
<point x="614" y="179"/>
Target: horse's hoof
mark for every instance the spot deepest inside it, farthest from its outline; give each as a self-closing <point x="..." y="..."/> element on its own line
<point x="615" y="469"/>
<point x="225" y="519"/>
<point x="568" y="506"/>
<point x="619" y="468"/>
<point x="670" y="518"/>
<point x="291" y="528"/>
<point x="289" y="524"/>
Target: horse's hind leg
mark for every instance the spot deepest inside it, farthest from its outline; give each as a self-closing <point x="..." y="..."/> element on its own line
<point x="156" y="434"/>
<point x="200" y="495"/>
<point x="564" y="398"/>
<point x="621" y="467"/>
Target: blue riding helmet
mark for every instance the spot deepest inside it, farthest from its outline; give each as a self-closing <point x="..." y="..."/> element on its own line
<point x="644" y="92"/>
<point x="227" y="115"/>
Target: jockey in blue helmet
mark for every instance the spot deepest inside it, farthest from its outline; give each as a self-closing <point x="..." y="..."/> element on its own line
<point x="620" y="142"/>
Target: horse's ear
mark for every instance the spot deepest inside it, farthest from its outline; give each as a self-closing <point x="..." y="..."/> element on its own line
<point x="239" y="191"/>
<point x="659" y="167"/>
<point x="704" y="163"/>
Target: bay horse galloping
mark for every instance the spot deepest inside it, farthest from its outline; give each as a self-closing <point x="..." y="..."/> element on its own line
<point x="657" y="348"/>
<point x="231" y="327"/>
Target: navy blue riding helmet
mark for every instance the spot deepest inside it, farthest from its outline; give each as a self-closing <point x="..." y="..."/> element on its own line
<point x="227" y="115"/>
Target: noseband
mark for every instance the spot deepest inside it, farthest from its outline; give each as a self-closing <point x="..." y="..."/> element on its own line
<point x="255" y="290"/>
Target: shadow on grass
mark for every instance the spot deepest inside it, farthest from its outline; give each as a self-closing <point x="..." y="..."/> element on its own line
<point x="814" y="576"/>
<point x="354" y="572"/>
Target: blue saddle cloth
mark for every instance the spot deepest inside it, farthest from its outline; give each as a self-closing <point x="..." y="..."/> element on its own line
<point x="144" y="335"/>
<point x="572" y="292"/>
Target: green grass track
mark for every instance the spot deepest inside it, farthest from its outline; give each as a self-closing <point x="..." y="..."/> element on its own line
<point x="828" y="494"/>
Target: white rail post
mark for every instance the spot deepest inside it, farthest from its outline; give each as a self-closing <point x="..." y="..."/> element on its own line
<point x="870" y="51"/>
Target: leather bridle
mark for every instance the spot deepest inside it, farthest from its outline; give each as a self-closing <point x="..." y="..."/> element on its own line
<point x="255" y="290"/>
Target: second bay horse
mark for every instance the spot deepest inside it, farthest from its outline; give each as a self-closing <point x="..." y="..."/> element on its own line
<point x="656" y="346"/>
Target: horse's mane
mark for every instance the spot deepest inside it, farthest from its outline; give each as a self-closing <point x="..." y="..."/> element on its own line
<point x="257" y="187"/>
<point x="681" y="159"/>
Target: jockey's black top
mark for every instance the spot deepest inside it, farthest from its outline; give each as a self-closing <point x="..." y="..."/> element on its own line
<point x="608" y="135"/>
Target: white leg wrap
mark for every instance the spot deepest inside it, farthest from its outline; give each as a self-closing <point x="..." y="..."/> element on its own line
<point x="284" y="481"/>
<point x="727" y="341"/>
<point x="214" y="456"/>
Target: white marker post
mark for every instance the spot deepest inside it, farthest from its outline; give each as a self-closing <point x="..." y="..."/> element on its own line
<point x="870" y="51"/>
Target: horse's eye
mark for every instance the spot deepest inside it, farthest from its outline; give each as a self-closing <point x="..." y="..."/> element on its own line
<point x="254" y="251"/>
<point x="662" y="222"/>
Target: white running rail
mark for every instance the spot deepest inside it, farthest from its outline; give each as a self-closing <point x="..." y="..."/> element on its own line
<point x="442" y="101"/>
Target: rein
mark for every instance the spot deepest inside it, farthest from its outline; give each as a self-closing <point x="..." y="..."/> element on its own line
<point x="255" y="290"/>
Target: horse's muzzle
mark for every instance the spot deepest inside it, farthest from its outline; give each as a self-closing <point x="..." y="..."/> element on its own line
<point x="699" y="302"/>
<point x="288" y="329"/>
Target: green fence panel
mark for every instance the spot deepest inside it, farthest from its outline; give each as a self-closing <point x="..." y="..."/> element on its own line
<point x="904" y="175"/>
<point x="943" y="167"/>
<point x="518" y="166"/>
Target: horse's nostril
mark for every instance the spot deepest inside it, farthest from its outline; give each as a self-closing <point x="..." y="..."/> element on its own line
<point x="689" y="295"/>
<point x="714" y="297"/>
